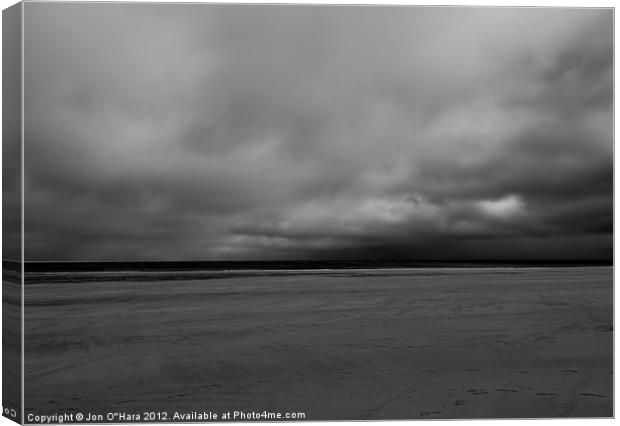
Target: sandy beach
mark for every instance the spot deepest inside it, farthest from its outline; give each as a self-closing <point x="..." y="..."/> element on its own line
<point x="377" y="344"/>
<point x="11" y="339"/>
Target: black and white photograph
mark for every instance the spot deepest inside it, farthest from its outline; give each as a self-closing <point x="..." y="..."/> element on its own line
<point x="306" y="212"/>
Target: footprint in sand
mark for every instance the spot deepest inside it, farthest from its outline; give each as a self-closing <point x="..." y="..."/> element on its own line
<point x="181" y="395"/>
<point x="129" y="401"/>
<point x="219" y="386"/>
<point x="428" y="413"/>
<point x="477" y="391"/>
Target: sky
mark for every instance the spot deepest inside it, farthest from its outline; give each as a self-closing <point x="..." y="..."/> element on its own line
<point x="256" y="132"/>
<point x="11" y="135"/>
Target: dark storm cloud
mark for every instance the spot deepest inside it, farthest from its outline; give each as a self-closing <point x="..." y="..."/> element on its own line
<point x="229" y="131"/>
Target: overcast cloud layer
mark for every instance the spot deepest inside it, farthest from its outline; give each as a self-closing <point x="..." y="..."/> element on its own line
<point x="205" y="132"/>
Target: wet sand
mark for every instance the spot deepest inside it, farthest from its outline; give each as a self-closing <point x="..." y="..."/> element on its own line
<point x="431" y="343"/>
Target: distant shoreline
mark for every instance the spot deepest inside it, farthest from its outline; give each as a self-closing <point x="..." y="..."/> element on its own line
<point x="289" y="265"/>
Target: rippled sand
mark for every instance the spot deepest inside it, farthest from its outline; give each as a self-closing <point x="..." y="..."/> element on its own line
<point x="451" y="343"/>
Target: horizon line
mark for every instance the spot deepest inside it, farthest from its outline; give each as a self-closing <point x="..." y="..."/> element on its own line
<point x="321" y="260"/>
